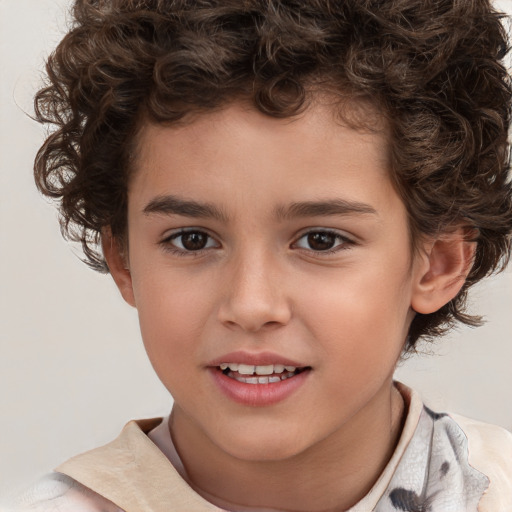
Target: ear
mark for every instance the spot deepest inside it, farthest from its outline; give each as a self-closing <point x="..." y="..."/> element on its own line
<point x="442" y="269"/>
<point x="118" y="265"/>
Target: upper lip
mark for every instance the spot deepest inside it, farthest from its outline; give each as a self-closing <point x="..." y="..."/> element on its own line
<point x="255" y="359"/>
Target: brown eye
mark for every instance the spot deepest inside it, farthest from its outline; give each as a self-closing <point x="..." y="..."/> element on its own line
<point x="191" y="241"/>
<point x="194" y="240"/>
<point x="321" y="241"/>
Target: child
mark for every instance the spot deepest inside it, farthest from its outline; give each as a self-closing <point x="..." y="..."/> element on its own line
<point x="291" y="194"/>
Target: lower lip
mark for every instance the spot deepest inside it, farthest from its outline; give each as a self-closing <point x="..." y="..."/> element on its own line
<point x="258" y="395"/>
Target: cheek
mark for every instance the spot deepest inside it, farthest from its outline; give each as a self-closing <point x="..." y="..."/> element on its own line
<point x="172" y="314"/>
<point x="360" y="330"/>
<point x="362" y="313"/>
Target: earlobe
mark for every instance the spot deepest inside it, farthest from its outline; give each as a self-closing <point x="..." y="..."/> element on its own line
<point x="442" y="270"/>
<point x="118" y="265"/>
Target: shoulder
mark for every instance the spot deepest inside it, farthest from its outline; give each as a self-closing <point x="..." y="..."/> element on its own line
<point x="490" y="452"/>
<point x="56" y="492"/>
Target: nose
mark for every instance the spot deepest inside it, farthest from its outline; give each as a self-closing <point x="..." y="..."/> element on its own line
<point x="254" y="297"/>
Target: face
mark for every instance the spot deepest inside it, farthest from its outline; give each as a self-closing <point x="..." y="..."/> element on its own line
<point x="271" y="269"/>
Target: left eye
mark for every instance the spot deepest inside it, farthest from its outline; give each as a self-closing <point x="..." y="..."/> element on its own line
<point x="321" y="241"/>
<point x="192" y="241"/>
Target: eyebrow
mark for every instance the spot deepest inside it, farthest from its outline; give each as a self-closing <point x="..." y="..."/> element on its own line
<point x="324" y="208"/>
<point x="172" y="205"/>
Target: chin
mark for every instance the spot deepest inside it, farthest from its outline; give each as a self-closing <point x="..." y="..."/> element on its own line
<point x="263" y="445"/>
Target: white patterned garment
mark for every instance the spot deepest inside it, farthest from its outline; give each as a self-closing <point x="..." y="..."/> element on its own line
<point x="442" y="479"/>
<point x="442" y="463"/>
<point x="56" y="492"/>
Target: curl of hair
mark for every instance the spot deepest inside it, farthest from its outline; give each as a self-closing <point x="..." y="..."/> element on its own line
<point x="433" y="67"/>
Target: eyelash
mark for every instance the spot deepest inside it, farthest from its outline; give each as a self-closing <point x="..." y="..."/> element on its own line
<point x="167" y="245"/>
<point x="344" y="242"/>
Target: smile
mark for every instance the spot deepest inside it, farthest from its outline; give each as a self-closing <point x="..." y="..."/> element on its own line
<point x="258" y="380"/>
<point x="259" y="374"/>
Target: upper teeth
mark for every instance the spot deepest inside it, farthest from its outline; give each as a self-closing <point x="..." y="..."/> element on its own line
<point x="247" y="369"/>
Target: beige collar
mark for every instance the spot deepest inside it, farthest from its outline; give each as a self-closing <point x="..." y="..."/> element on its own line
<point x="134" y="474"/>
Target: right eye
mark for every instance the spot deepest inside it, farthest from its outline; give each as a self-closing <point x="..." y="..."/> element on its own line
<point x="190" y="241"/>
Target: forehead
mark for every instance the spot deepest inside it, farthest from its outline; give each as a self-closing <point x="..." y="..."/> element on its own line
<point x="317" y="145"/>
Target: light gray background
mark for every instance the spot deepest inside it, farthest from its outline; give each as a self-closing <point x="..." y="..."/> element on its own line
<point x="72" y="366"/>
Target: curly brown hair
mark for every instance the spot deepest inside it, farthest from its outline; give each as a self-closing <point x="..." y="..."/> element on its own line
<point x="433" y="67"/>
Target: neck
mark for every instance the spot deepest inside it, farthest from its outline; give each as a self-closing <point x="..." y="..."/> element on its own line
<point x="332" y="475"/>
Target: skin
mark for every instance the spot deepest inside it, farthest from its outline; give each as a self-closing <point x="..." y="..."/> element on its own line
<point x="259" y="285"/>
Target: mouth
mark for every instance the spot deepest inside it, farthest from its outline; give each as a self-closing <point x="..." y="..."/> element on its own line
<point x="258" y="379"/>
<point x="260" y="374"/>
